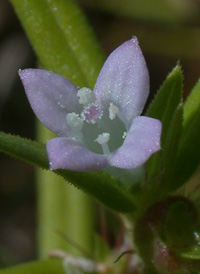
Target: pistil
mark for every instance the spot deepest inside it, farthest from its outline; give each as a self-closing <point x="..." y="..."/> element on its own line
<point x="102" y="139"/>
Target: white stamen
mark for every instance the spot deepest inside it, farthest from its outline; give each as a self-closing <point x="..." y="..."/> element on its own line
<point x="74" y="121"/>
<point x="124" y="135"/>
<point x="113" y="110"/>
<point x="102" y="139"/>
<point x="86" y="96"/>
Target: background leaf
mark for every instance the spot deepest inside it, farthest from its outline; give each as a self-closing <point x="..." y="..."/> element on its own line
<point x="53" y="266"/>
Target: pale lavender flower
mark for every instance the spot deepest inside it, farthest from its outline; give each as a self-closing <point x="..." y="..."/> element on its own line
<point x="106" y="120"/>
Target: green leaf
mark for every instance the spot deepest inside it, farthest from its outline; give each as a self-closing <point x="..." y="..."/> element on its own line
<point x="80" y="37"/>
<point x="191" y="105"/>
<point x="167" y="99"/>
<point x="53" y="266"/>
<point x="169" y="154"/>
<point x="188" y="157"/>
<point x="172" y="139"/>
<point x="163" y="107"/>
<point x="100" y="185"/>
<point x="61" y="38"/>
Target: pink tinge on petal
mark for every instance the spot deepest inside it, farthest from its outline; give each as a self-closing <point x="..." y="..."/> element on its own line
<point x="124" y="80"/>
<point x="142" y="141"/>
<point x="51" y="97"/>
<point x="65" y="153"/>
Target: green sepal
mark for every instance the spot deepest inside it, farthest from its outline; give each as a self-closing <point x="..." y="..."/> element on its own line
<point x="162" y="107"/>
<point x="53" y="266"/>
<point x="100" y="184"/>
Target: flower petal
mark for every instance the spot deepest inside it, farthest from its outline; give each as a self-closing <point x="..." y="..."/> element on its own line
<point x="51" y="97"/>
<point x="65" y="153"/>
<point x="124" y="80"/>
<point x="141" y="142"/>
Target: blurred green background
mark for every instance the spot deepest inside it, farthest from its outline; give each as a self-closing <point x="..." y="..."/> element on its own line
<point x="168" y="31"/>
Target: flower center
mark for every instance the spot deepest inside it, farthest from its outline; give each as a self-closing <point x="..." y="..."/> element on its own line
<point x="91" y="123"/>
<point x="91" y="113"/>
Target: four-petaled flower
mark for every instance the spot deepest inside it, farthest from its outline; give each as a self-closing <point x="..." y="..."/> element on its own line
<point x="106" y="119"/>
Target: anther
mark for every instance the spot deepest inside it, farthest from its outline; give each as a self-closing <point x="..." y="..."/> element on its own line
<point x="86" y="96"/>
<point x="74" y="121"/>
<point x="124" y="135"/>
<point x="113" y="110"/>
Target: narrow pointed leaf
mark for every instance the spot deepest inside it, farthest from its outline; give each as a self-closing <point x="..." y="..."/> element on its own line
<point x="100" y="185"/>
<point x="188" y="158"/>
<point x="191" y="105"/>
<point x="173" y="137"/>
<point x="170" y="149"/>
<point x="167" y="99"/>
<point x="164" y="181"/>
<point x="163" y="107"/>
